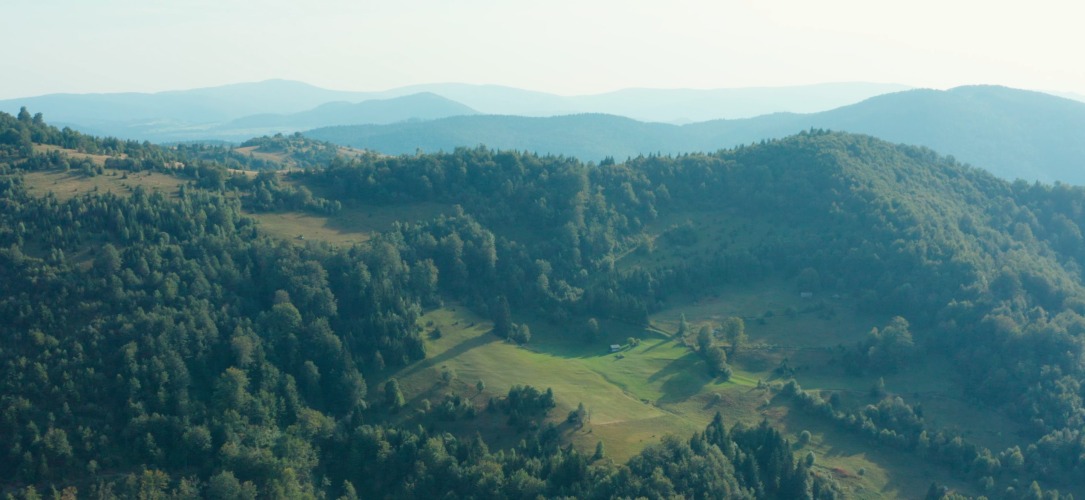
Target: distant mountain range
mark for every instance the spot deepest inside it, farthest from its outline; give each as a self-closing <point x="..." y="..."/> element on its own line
<point x="414" y="107"/>
<point x="1013" y="133"/>
<point x="237" y="112"/>
<point x="662" y="105"/>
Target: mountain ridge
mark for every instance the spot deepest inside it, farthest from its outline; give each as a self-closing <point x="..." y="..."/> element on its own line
<point x="200" y="113"/>
<point x="1013" y="133"/>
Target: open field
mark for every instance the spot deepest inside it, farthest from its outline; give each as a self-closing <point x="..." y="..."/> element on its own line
<point x="255" y="152"/>
<point x="352" y="225"/>
<point x="72" y="183"/>
<point x="661" y="387"/>
<point x="97" y="159"/>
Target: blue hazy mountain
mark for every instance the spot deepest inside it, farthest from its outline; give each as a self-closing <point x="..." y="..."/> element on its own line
<point x="205" y="105"/>
<point x="1013" y="133"/>
<point x="662" y="105"/>
<point x="224" y="113"/>
<point x="413" y="107"/>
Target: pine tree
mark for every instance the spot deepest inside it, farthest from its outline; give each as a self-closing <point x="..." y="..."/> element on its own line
<point x="393" y="396"/>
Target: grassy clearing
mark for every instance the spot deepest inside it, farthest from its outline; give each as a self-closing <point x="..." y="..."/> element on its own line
<point x="636" y="395"/>
<point x="620" y="417"/>
<point x="660" y="386"/>
<point x="866" y="470"/>
<point x="71" y="153"/>
<point x="256" y="152"/>
<point x="353" y="225"/>
<point x="72" y="183"/>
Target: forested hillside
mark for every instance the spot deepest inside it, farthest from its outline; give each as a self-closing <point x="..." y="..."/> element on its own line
<point x="160" y="343"/>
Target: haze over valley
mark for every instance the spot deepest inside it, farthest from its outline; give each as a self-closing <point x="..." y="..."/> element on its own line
<point x="682" y="250"/>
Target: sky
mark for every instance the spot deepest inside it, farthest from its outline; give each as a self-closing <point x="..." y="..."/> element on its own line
<point x="558" y="46"/>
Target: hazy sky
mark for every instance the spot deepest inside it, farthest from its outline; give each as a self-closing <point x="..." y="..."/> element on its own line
<point x="560" y="46"/>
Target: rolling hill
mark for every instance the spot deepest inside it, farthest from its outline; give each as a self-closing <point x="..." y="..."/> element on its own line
<point x="421" y="106"/>
<point x="1012" y="133"/>
<point x="587" y="136"/>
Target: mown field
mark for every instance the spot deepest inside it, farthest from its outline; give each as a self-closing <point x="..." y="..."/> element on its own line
<point x="352" y="225"/>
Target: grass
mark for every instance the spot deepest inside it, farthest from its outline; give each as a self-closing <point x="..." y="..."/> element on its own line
<point x="96" y="159"/>
<point x="619" y="416"/>
<point x="352" y="225"/>
<point x="256" y="152"/>
<point x="886" y="473"/>
<point x="72" y="183"/>
<point x="660" y="386"/>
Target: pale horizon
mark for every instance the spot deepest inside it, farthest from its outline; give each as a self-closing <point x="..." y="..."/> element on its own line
<point x="563" y="47"/>
<point x="437" y="83"/>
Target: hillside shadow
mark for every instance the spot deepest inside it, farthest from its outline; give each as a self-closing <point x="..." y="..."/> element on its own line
<point x="659" y="344"/>
<point x="454" y="351"/>
<point x="550" y="345"/>
<point x="682" y="379"/>
<point x="908" y="475"/>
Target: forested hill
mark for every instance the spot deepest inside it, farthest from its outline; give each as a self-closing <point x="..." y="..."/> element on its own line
<point x="159" y="342"/>
<point x="421" y="106"/>
<point x="590" y="137"/>
<point x="1012" y="133"/>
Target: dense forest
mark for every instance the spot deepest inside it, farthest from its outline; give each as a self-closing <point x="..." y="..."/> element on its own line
<point x="161" y="345"/>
